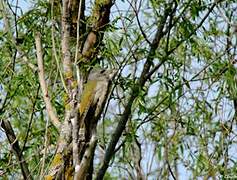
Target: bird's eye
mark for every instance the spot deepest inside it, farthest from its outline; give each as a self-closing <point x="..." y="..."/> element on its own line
<point x="102" y="71"/>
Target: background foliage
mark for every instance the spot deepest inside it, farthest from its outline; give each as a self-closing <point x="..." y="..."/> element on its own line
<point x="183" y="120"/>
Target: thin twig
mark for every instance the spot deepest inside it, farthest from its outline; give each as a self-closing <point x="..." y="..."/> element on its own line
<point x="54" y="49"/>
<point x="226" y="18"/>
<point x="78" y="32"/>
<point x="45" y="149"/>
<point x="139" y="23"/>
<point x="79" y="77"/>
<point x="30" y="119"/>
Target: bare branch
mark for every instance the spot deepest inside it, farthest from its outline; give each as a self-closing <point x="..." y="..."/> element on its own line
<point x="45" y="149"/>
<point x="81" y="170"/>
<point x="43" y="85"/>
<point x="67" y="64"/>
<point x="6" y="125"/>
<point x="137" y="157"/>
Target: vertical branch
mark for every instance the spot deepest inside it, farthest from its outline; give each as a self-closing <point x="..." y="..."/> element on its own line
<point x="72" y="110"/>
<point x="137" y="157"/>
<point x="43" y="85"/>
<point x="75" y="124"/>
<point x="67" y="64"/>
<point x="54" y="47"/>
<point x="78" y="74"/>
<point x="78" y="31"/>
<point x="65" y="136"/>
<point x="45" y="149"/>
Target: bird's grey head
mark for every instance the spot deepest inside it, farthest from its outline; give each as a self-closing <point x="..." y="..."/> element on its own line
<point x="102" y="74"/>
